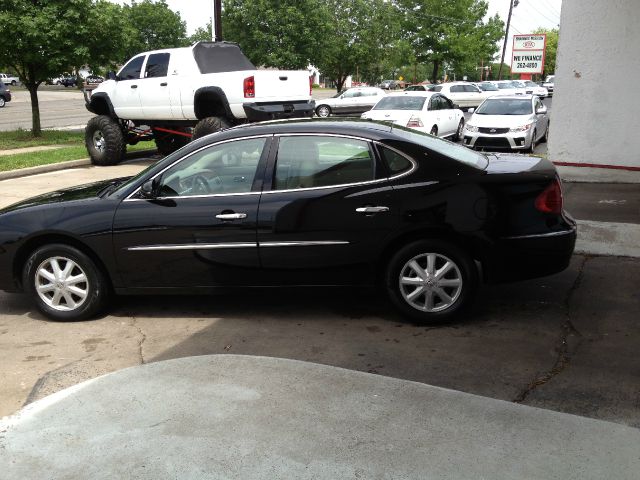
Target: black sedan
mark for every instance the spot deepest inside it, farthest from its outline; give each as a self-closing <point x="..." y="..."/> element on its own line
<point x="295" y="203"/>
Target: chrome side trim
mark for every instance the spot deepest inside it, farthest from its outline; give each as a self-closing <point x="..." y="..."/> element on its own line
<point x="317" y="243"/>
<point x="192" y="246"/>
<point x="541" y="235"/>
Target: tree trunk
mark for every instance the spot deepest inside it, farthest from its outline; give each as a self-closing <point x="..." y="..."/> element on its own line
<point x="434" y="74"/>
<point x="36" y="131"/>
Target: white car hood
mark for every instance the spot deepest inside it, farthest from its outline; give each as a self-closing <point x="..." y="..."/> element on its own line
<point x="500" y="121"/>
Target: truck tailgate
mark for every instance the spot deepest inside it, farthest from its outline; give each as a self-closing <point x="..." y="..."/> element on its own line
<point x="281" y="85"/>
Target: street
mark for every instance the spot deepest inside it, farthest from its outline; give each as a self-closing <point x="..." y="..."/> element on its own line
<point x="566" y="342"/>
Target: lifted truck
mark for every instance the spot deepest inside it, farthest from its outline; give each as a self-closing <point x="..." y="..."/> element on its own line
<point x="173" y="95"/>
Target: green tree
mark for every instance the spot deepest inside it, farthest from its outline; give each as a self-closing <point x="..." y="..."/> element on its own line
<point x="51" y="36"/>
<point x="202" y="34"/>
<point x="275" y="33"/>
<point x="550" y="51"/>
<point x="452" y="32"/>
<point x="153" y="26"/>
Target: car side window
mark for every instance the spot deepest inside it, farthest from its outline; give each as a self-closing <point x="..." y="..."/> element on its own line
<point x="349" y="94"/>
<point x="157" y="65"/>
<point x="456" y="88"/>
<point x="131" y="71"/>
<point x="317" y="161"/>
<point x="433" y="103"/>
<point x="445" y="104"/>
<point x="470" y="88"/>
<point x="225" y="168"/>
<point x="395" y="162"/>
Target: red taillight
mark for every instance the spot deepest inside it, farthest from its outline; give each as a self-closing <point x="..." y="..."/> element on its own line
<point x="310" y="85"/>
<point x="249" y="87"/>
<point x="550" y="200"/>
<point x="414" y="122"/>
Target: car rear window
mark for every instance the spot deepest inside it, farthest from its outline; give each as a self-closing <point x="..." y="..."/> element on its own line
<point x="505" y="106"/>
<point x="220" y="57"/>
<point x="435" y="88"/>
<point x="407" y="102"/>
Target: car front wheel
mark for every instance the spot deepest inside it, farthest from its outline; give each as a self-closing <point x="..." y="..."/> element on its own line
<point x="104" y="140"/>
<point x="323" y="111"/>
<point x="458" y="135"/>
<point x="65" y="284"/>
<point x="431" y="280"/>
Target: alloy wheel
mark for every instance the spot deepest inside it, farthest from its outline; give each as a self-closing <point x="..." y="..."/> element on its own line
<point x="98" y="141"/>
<point x="430" y="282"/>
<point x="61" y="284"/>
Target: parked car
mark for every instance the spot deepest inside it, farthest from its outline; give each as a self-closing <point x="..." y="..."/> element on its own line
<point x="418" y="88"/>
<point x="548" y="84"/>
<point x="464" y="94"/>
<point x="93" y="80"/>
<point x="5" y="95"/>
<point x="427" y="112"/>
<point x="527" y="86"/>
<point x="389" y="85"/>
<point x="294" y="203"/>
<point x="351" y="101"/>
<point x="9" y="79"/>
<point x="506" y="87"/>
<point x="515" y="122"/>
<point x="69" y="81"/>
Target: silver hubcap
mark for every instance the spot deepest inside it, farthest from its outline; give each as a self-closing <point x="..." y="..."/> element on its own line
<point x="61" y="284"/>
<point x="323" y="112"/>
<point x="430" y="282"/>
<point x="460" y="128"/>
<point x="98" y="140"/>
<point x="1" y="102"/>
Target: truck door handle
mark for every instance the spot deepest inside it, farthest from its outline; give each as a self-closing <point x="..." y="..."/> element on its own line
<point x="370" y="210"/>
<point x="231" y="216"/>
<point x="134" y="86"/>
<point x="163" y="84"/>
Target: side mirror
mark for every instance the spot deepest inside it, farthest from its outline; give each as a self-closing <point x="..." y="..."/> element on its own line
<point x="149" y="188"/>
<point x="111" y="75"/>
<point x="471" y="110"/>
<point x="542" y="110"/>
<point x="455" y="105"/>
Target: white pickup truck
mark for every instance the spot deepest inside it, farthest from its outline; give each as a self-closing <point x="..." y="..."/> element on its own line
<point x="9" y="79"/>
<point x="176" y="94"/>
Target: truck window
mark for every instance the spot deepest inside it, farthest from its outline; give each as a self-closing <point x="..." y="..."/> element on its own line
<point x="157" y="65"/>
<point x="131" y="71"/>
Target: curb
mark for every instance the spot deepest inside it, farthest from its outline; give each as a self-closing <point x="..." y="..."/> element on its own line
<point x="52" y="167"/>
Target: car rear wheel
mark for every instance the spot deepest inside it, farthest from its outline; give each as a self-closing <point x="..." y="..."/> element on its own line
<point x="2" y="102"/>
<point x="323" y="111"/>
<point x="104" y="140"/>
<point x="434" y="131"/>
<point x="545" y="137"/>
<point x="13" y="83"/>
<point x="431" y="280"/>
<point x="209" y="125"/>
<point x="533" y="142"/>
<point x="458" y="135"/>
<point x="65" y="284"/>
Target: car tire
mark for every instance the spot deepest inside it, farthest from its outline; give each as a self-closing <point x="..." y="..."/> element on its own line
<point x="58" y="82"/>
<point x="323" y="111"/>
<point x="2" y="102"/>
<point x="419" y="293"/>
<point x="13" y="83"/>
<point x="434" y="131"/>
<point x="104" y="140"/>
<point x="209" y="125"/>
<point x="533" y="142"/>
<point x="65" y="284"/>
<point x="545" y="137"/>
<point x="168" y="143"/>
<point x="458" y="136"/>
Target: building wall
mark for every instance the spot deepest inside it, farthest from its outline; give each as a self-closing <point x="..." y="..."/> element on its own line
<point x="596" y="103"/>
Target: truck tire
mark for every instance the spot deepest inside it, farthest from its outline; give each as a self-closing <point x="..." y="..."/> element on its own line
<point x="168" y="143"/>
<point x="209" y="125"/>
<point x="104" y="140"/>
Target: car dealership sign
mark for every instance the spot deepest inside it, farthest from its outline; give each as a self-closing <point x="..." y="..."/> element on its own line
<point x="528" y="53"/>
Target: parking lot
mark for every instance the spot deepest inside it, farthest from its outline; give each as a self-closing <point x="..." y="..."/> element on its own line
<point x="566" y="342"/>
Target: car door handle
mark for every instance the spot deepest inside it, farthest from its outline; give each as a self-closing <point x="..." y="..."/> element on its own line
<point x="163" y="84"/>
<point x="231" y="216"/>
<point x="372" y="209"/>
<point x="134" y="86"/>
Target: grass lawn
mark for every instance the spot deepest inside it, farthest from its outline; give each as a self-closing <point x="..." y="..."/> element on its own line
<point x="23" y="138"/>
<point x="64" y="154"/>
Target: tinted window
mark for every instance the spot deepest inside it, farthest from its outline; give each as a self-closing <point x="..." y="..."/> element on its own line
<point x="306" y="162"/>
<point x="394" y="161"/>
<point x="407" y="102"/>
<point x="470" y="88"/>
<point x="132" y="69"/>
<point x="505" y="106"/>
<point x="226" y="168"/>
<point x="456" y="88"/>
<point x="157" y="65"/>
<point x="351" y="94"/>
<point x="445" y="103"/>
<point x="435" y="88"/>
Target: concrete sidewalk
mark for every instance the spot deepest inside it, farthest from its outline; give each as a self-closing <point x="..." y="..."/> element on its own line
<point x="242" y="417"/>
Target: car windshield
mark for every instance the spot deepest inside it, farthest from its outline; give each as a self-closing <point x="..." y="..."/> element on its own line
<point x="502" y="86"/>
<point x="449" y="149"/>
<point x="407" y="102"/>
<point x="529" y="83"/>
<point x="505" y="106"/>
<point x="488" y="87"/>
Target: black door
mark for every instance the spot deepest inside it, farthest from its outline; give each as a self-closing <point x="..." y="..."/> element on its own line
<point x="324" y="213"/>
<point x="200" y="231"/>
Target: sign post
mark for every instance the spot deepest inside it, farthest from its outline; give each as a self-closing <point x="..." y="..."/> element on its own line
<point x="527" y="57"/>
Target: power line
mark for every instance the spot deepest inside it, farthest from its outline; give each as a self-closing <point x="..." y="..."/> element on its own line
<point x="555" y="22"/>
<point x="550" y="7"/>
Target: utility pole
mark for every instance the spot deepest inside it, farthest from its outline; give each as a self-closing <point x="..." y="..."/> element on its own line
<point x="512" y="3"/>
<point x="216" y="20"/>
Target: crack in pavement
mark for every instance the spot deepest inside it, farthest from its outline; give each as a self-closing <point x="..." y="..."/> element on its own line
<point x="143" y="337"/>
<point x="563" y="349"/>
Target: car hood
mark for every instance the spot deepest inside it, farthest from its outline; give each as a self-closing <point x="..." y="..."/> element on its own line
<point x="81" y="192"/>
<point x="499" y="121"/>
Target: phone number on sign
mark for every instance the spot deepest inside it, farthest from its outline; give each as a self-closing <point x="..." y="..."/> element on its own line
<point x="527" y="65"/>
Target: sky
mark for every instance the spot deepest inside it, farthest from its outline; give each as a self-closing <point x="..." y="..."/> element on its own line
<point x="526" y="17"/>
